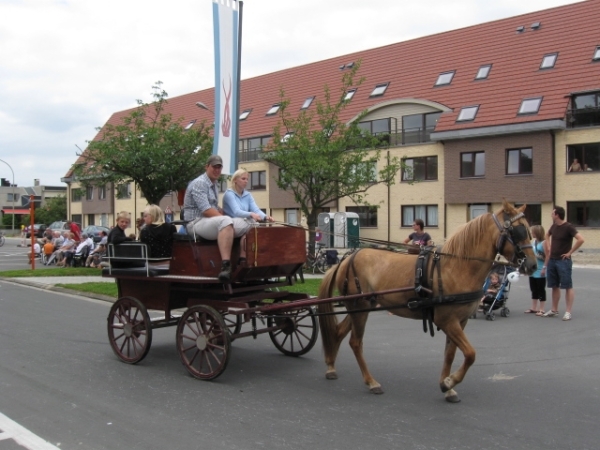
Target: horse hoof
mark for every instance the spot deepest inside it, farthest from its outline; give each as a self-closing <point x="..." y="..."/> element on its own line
<point x="452" y="397"/>
<point x="446" y="385"/>
<point x="331" y="376"/>
<point x="376" y="390"/>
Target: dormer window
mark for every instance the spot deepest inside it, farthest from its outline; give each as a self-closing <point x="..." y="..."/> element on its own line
<point x="596" y="54"/>
<point x="483" y="72"/>
<point x="190" y="125"/>
<point x="530" y="105"/>
<point x="349" y="95"/>
<point x="307" y="102"/>
<point x="444" y="78"/>
<point x="548" y="61"/>
<point x="467" y="113"/>
<point x="273" y="110"/>
<point x="245" y="113"/>
<point x="379" y="90"/>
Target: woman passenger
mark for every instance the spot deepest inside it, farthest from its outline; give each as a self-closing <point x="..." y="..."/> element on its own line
<point x="156" y="233"/>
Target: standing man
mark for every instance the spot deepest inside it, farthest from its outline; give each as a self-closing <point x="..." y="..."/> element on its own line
<point x="206" y="219"/>
<point x="558" y="263"/>
<point x="73" y="228"/>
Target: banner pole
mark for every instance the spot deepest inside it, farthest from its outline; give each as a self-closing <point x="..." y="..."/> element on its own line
<point x="239" y="86"/>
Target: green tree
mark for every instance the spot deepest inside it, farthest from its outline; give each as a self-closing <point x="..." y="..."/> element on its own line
<point x="321" y="159"/>
<point x="148" y="147"/>
<point x="54" y="209"/>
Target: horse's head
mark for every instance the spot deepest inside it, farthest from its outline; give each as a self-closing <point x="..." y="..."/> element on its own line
<point x="514" y="242"/>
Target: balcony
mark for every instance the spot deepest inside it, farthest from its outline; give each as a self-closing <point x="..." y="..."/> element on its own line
<point x="584" y="117"/>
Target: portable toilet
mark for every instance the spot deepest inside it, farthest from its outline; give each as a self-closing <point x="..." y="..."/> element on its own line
<point x="347" y="226"/>
<point x="325" y="224"/>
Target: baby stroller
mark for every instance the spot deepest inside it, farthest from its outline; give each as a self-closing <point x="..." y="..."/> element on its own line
<point x="493" y="301"/>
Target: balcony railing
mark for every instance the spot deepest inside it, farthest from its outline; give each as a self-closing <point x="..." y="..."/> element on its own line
<point x="251" y="155"/>
<point x="584" y="117"/>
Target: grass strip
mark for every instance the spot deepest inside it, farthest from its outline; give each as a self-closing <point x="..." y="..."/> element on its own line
<point x="53" y="272"/>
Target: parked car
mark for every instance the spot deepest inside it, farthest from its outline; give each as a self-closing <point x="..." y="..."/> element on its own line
<point x="38" y="232"/>
<point x="94" y="232"/>
<point x="61" y="225"/>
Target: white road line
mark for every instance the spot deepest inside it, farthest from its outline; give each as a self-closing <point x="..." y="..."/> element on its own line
<point x="12" y="430"/>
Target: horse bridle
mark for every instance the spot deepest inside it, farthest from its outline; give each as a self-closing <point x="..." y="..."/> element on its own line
<point x="512" y="234"/>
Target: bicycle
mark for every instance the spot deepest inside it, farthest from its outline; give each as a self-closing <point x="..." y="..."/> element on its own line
<point x="2" y="239"/>
<point x="318" y="261"/>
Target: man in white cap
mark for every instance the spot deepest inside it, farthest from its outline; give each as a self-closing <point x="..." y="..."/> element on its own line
<point x="207" y="219"/>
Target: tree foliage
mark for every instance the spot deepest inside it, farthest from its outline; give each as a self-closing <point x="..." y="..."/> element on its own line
<point x="321" y="159"/>
<point x="54" y="209"/>
<point x="148" y="147"/>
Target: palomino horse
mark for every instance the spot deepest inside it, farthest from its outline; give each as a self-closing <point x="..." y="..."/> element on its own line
<point x="454" y="276"/>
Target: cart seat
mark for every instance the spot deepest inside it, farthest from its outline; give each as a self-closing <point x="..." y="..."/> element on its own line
<point x="131" y="259"/>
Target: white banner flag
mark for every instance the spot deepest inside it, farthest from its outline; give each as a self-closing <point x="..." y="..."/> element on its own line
<point x="226" y="23"/>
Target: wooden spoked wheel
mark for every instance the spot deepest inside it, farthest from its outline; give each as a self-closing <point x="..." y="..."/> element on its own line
<point x="234" y="323"/>
<point x="298" y="331"/>
<point x="203" y="342"/>
<point x="129" y="330"/>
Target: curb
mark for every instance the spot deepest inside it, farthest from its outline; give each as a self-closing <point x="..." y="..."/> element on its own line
<point x="53" y="288"/>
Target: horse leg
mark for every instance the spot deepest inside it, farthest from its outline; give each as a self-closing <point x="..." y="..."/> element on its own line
<point x="356" y="343"/>
<point x="342" y="329"/>
<point x="455" y="337"/>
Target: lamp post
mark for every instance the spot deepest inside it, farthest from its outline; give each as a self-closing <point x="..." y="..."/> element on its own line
<point x="203" y="106"/>
<point x="13" y="194"/>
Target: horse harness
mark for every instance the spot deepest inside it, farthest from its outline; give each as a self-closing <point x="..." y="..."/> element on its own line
<point x="429" y="261"/>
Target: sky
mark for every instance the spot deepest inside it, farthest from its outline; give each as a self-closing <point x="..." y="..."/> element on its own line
<point x="67" y="65"/>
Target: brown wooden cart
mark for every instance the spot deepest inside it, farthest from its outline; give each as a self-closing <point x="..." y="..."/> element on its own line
<point x="213" y="312"/>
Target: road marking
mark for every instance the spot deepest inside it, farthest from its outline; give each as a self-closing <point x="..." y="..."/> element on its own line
<point x="10" y="429"/>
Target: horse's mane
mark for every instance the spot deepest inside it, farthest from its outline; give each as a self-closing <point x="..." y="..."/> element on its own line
<point x="467" y="238"/>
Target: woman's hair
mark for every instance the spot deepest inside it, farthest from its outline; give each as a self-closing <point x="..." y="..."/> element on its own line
<point x="238" y="173"/>
<point x="155" y="213"/>
<point x="537" y="231"/>
<point x="123" y="215"/>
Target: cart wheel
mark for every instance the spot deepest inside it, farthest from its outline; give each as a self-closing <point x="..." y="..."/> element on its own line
<point x="298" y="331"/>
<point x="234" y="323"/>
<point x="129" y="330"/>
<point x="203" y="342"/>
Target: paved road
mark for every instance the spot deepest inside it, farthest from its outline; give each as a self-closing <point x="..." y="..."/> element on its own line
<point x="533" y="386"/>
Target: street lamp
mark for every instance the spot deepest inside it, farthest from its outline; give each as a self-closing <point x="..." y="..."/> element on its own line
<point x="203" y="106"/>
<point x="13" y="194"/>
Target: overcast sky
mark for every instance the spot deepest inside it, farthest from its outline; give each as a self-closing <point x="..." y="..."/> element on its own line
<point x="67" y="65"/>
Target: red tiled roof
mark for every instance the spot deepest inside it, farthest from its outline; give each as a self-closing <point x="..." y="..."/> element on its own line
<point x="412" y="67"/>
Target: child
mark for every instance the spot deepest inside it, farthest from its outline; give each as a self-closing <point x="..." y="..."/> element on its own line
<point x="48" y="249"/>
<point x="537" y="280"/>
<point x="492" y="289"/>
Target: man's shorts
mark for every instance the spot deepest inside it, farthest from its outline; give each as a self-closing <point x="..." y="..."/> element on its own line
<point x="209" y="227"/>
<point x="558" y="273"/>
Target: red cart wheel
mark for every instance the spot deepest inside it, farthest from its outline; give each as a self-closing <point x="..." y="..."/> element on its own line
<point x="234" y="323"/>
<point x="298" y="333"/>
<point x="129" y="330"/>
<point x="203" y="342"/>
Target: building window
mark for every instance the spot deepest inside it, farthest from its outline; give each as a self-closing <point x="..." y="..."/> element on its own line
<point x="548" y="61"/>
<point x="190" y="125"/>
<point x="101" y="193"/>
<point x="420" y="169"/>
<point x="483" y="72"/>
<point x="472" y="164"/>
<point x="307" y="103"/>
<point x="349" y="94"/>
<point x="91" y="219"/>
<point x="15" y="198"/>
<point x="444" y="78"/>
<point x="596" y="54"/>
<point x="585" y="110"/>
<point x="273" y="109"/>
<point x="530" y="105"/>
<point x="367" y="215"/>
<point x="104" y="220"/>
<point x="381" y="128"/>
<point x="519" y="161"/>
<point x="244" y="115"/>
<point x="123" y="191"/>
<point x="467" y="113"/>
<point x="251" y="149"/>
<point x="258" y="180"/>
<point x="89" y="193"/>
<point x="533" y="213"/>
<point x="417" y="128"/>
<point x="379" y="90"/>
<point x="76" y="195"/>
<point x="587" y="156"/>
<point x="427" y="213"/>
<point x="584" y="214"/>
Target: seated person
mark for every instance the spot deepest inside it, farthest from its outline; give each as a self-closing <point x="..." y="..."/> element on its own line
<point x="86" y="242"/>
<point x="103" y="237"/>
<point x="575" y="166"/>
<point x="37" y="252"/>
<point x="492" y="289"/>
<point x="67" y="250"/>
<point x="117" y="234"/>
<point x="95" y="258"/>
<point x="47" y="249"/>
<point x="156" y="233"/>
<point x="207" y="220"/>
<point x="238" y="202"/>
<point x="418" y="236"/>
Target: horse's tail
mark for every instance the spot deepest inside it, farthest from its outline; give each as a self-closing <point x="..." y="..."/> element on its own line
<point x="327" y="323"/>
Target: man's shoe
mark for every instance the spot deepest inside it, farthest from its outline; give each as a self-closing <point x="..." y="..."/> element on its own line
<point x="225" y="274"/>
<point x="550" y="314"/>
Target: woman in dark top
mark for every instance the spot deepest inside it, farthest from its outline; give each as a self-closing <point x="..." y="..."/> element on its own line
<point x="157" y="234"/>
<point x="117" y="234"/>
<point x="419" y="237"/>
